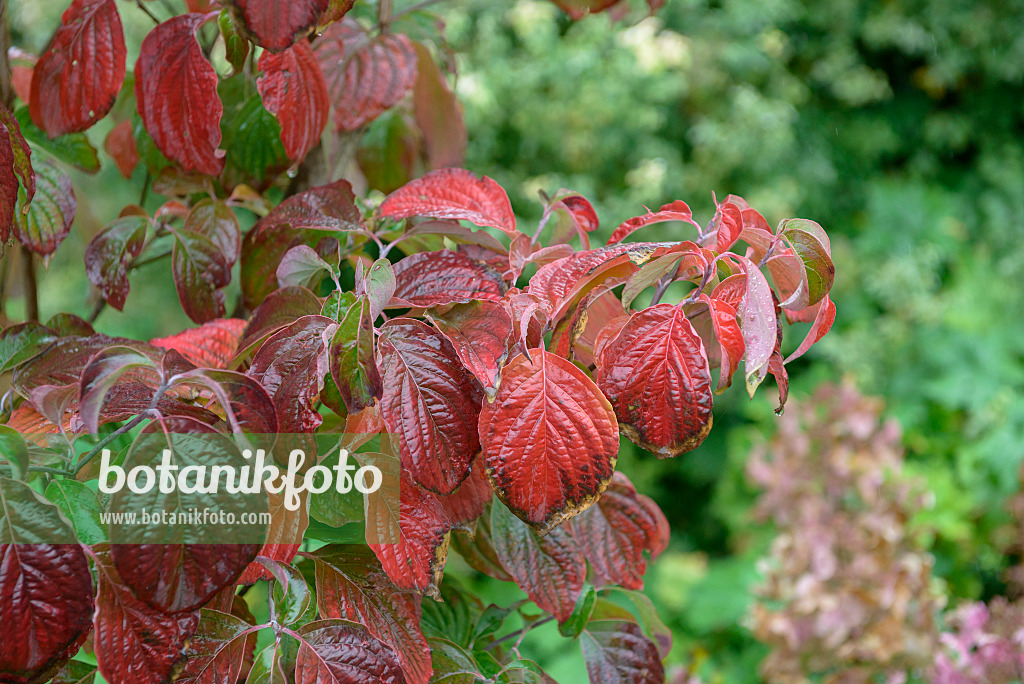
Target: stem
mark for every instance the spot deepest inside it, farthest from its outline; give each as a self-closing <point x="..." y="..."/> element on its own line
<point x="145" y="190"/>
<point x="383" y="14"/>
<point x="31" y="291"/>
<point x="6" y="86"/>
<point x="768" y="254"/>
<point x="124" y="428"/>
<point x="147" y="12"/>
<point x="659" y="292"/>
<point x="97" y="309"/>
<point x="149" y="260"/>
<point x="519" y="632"/>
<point x="414" y="8"/>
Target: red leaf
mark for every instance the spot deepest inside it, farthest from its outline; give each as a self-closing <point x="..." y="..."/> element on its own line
<point x="51" y="212"/>
<point x="321" y="213"/>
<point x="211" y="345"/>
<point x="351" y="585"/>
<point x="277" y="24"/>
<point x="428" y="404"/>
<point x="176" y="578"/>
<point x="616" y="650"/>
<point x="22" y="64"/>
<point x="758" y="322"/>
<point x="45" y="603"/>
<point x="278" y="310"/>
<point x="341" y="652"/>
<point x="480" y="333"/>
<point x="204" y="251"/>
<point x="293" y="89"/>
<point x="550" y="569"/>
<point x="77" y="79"/>
<point x="728" y="222"/>
<point x="445" y="277"/>
<point x="111" y="252"/>
<point x="291" y="365"/>
<point x="438" y="113"/>
<point x="365" y="76"/>
<point x="824" y="317"/>
<point x="412" y="542"/>
<point x="615" y="534"/>
<point x="220" y="651"/>
<point x="120" y="144"/>
<point x="556" y="282"/>
<point x="656" y="375"/>
<point x="729" y="337"/>
<point x="133" y="642"/>
<point x="15" y="166"/>
<point x="469" y="501"/>
<point x="454" y="194"/>
<point x="176" y="92"/>
<point x="675" y="211"/>
<point x="549" y="439"/>
<point x="578" y="9"/>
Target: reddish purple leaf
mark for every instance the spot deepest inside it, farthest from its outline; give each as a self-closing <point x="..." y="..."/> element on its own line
<point x="616" y="534"/>
<point x="454" y="194"/>
<point x="284" y="537"/>
<point x="77" y="79"/>
<point x="366" y="76"/>
<point x="549" y="439"/>
<point x="351" y="585"/>
<point x="293" y="89"/>
<point x="278" y="310"/>
<point x="111" y="252"/>
<point x="51" y="212"/>
<point x="444" y="277"/>
<point x="133" y="642"/>
<point x="45" y="599"/>
<point x="616" y="650"/>
<point x="204" y="251"/>
<point x="824" y="317"/>
<point x="176" y="578"/>
<point x="320" y="215"/>
<point x="211" y="345"/>
<point x="758" y="322"/>
<point x="176" y="92"/>
<point x="220" y="651"/>
<point x="342" y="652"/>
<point x="438" y="113"/>
<point x="15" y="170"/>
<point x="481" y="334"/>
<point x="277" y="24"/>
<point x="675" y="211"/>
<point x="291" y="365"/>
<point x="469" y="501"/>
<point x="353" y="358"/>
<point x="103" y="371"/>
<point x="428" y="404"/>
<point x="578" y="9"/>
<point x="550" y="569"/>
<point x="656" y="375"/>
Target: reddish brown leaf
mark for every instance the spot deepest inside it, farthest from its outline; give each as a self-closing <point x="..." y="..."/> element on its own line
<point x="342" y="652"/>
<point x="22" y="63"/>
<point x="824" y="317"/>
<point x="428" y="404"/>
<point x="77" y="79"/>
<point x="220" y="651"/>
<point x="45" y="600"/>
<point x="120" y="144"/>
<point x="351" y="585"/>
<point x="729" y="337"/>
<point x="365" y="76"/>
<point x="279" y="309"/>
<point x="176" y="578"/>
<point x="291" y="365"/>
<point x="211" y="345"/>
<point x="284" y="537"/>
<point x="277" y="24"/>
<point x="616" y="533"/>
<point x="480" y="333"/>
<point x="50" y="213"/>
<point x="62" y="362"/>
<point x="656" y="375"/>
<point x="15" y="169"/>
<point x="454" y="194"/>
<point x="204" y="251"/>
<point x="550" y="569"/>
<point x="675" y="211"/>
<point x="320" y="215"/>
<point x="577" y="9"/>
<point x="469" y="501"/>
<point x="412" y="542"/>
<point x="549" y="439"/>
<point x="616" y="650"/>
<point x="293" y="89"/>
<point x="133" y="642"/>
<point x="111" y="252"/>
<point x="176" y="92"/>
<point x="438" y="113"/>
<point x="444" y="277"/>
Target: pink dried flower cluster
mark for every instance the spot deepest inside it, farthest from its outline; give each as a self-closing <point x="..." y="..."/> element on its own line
<point x="986" y="645"/>
<point x="848" y="594"/>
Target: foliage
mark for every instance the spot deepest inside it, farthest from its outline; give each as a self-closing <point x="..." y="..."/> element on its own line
<point x="502" y="362"/>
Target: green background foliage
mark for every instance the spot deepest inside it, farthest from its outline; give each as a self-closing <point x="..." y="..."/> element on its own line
<point x="898" y="126"/>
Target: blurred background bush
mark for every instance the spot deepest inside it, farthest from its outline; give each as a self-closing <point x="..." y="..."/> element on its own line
<point x="899" y="126"/>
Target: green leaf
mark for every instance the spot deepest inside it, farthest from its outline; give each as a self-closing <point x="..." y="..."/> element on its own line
<point x="580" y="614"/>
<point x="73" y="148"/>
<point x="49" y="215"/>
<point x="817" y="262"/>
<point x="27" y="518"/>
<point x="236" y="48"/>
<point x="14" y="451"/>
<point x="79" y="505"/>
<point x="19" y="343"/>
<point x="291" y="602"/>
<point x="452" y="663"/>
<point x="251" y="135"/>
<point x="150" y="155"/>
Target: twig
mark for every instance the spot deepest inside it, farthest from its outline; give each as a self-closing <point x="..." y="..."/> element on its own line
<point x="414" y="8"/>
<point x="519" y="632"/>
<point x="147" y="12"/>
<point x="31" y="291"/>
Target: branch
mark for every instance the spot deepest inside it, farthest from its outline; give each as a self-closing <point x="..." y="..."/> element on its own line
<point x="28" y="265"/>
